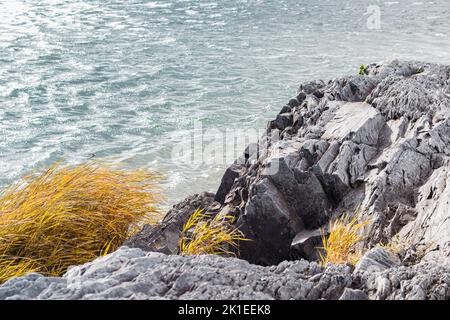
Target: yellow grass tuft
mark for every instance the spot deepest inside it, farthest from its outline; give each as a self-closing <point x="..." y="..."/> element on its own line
<point x="201" y="235"/>
<point x="340" y="245"/>
<point x="71" y="215"/>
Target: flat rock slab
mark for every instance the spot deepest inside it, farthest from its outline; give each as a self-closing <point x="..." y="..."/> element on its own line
<point x="355" y="119"/>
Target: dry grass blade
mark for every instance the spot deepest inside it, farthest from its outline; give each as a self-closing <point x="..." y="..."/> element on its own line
<point x="340" y="245"/>
<point x="70" y="215"/>
<point x="209" y="236"/>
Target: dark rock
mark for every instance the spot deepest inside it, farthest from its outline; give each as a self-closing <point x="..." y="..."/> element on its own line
<point x="135" y="274"/>
<point x="312" y="86"/>
<point x="297" y="121"/>
<point x="402" y="216"/>
<point x="281" y="205"/>
<point x="267" y="223"/>
<point x="319" y="94"/>
<point x="353" y="88"/>
<point x="301" y="97"/>
<point x="285" y="109"/>
<point x="293" y="103"/>
<point x="227" y="182"/>
<point x="164" y="237"/>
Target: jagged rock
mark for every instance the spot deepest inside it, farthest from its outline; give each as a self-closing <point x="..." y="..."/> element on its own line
<point x="377" y="143"/>
<point x="130" y="273"/>
<point x="281" y="205"/>
<point x="353" y="294"/>
<point x="358" y="122"/>
<point x="227" y="182"/>
<point x="376" y="260"/>
<point x="134" y="274"/>
<point x="164" y="237"/>
<point x="286" y="109"/>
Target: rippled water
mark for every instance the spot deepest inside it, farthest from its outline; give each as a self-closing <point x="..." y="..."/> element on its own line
<point x="127" y="79"/>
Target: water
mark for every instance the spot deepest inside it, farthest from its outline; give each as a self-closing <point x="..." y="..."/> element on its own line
<point x="126" y="80"/>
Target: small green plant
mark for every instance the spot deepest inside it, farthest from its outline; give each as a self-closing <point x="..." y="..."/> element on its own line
<point x="340" y="245"/>
<point x="362" y="70"/>
<point x="202" y="234"/>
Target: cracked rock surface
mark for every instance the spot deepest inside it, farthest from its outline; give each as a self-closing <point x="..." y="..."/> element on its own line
<point x="131" y="273"/>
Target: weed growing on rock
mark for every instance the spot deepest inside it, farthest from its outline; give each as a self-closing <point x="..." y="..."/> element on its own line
<point x="204" y="235"/>
<point x="362" y="70"/>
<point x="340" y="245"/>
<point x="71" y="215"/>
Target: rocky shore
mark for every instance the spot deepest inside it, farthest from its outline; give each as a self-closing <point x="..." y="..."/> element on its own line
<point x="377" y="144"/>
<point x="135" y="274"/>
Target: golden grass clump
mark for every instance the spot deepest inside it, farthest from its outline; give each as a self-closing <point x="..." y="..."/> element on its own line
<point x="340" y="245"/>
<point x="71" y="215"/>
<point x="203" y="235"/>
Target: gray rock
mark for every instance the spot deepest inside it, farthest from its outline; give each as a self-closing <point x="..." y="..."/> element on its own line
<point x="286" y="109"/>
<point x="131" y="273"/>
<point x="164" y="237"/>
<point x="353" y="294"/>
<point x="358" y="122"/>
<point x="432" y="225"/>
<point x="134" y="274"/>
<point x="307" y="244"/>
<point x="280" y="205"/>
<point x="282" y="121"/>
<point x="376" y="260"/>
<point x="424" y="281"/>
<point x="227" y="182"/>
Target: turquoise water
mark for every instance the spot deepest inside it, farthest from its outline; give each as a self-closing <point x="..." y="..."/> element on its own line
<point x="126" y="80"/>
